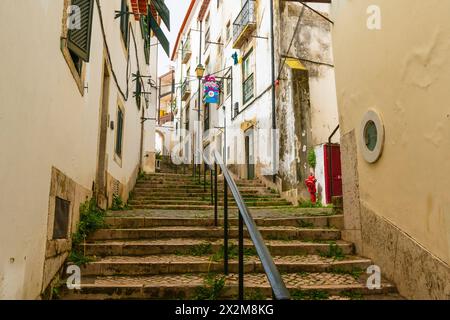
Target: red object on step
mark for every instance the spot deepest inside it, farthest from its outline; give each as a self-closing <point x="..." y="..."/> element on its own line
<point x="311" y="185"/>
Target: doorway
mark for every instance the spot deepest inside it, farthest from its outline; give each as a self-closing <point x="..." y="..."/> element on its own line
<point x="100" y="181"/>
<point x="250" y="154"/>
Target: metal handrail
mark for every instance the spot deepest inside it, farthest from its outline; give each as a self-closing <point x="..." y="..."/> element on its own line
<point x="279" y="289"/>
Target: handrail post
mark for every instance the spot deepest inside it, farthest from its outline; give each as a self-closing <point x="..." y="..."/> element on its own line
<point x="204" y="177"/>
<point x="225" y="226"/>
<point x="241" y="257"/>
<point x="215" y="195"/>
<point x="211" y="185"/>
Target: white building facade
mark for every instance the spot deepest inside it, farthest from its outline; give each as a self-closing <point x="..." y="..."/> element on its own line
<point x="70" y="123"/>
<point x="233" y="41"/>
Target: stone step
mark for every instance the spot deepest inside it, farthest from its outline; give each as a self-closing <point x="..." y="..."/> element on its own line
<point x="284" y="233"/>
<point x="193" y="188"/>
<point x="193" y="202"/>
<point x="143" y="222"/>
<point x="169" y="182"/>
<point x="201" y="191"/>
<point x="186" y="246"/>
<point x="187" y="286"/>
<point x="204" y="197"/>
<point x="198" y="207"/>
<point x="179" y="264"/>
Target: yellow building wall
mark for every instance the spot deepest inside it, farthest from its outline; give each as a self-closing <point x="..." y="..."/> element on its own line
<point x="403" y="72"/>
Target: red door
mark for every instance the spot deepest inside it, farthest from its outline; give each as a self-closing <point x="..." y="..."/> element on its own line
<point x="333" y="176"/>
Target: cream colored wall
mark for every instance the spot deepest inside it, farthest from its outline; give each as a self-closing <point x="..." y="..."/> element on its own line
<point x="45" y="122"/>
<point x="403" y="72"/>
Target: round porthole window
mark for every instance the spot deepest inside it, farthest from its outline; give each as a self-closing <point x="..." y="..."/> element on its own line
<point x="372" y="136"/>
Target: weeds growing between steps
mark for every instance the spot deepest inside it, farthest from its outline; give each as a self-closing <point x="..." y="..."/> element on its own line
<point x="92" y="218"/>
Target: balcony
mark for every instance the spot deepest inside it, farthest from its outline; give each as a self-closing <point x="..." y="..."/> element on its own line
<point x="168" y="117"/>
<point x="185" y="90"/>
<point x="244" y="25"/>
<point x="187" y="52"/>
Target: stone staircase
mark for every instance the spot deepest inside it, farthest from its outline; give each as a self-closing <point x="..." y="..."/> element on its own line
<point x="167" y="247"/>
<point x="178" y="191"/>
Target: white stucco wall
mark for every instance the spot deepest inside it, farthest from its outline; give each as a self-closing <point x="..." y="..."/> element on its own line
<point x="45" y="122"/>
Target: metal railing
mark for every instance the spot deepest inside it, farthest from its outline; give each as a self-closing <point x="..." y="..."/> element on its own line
<point x="279" y="289"/>
<point x="185" y="89"/>
<point x="246" y="16"/>
<point x="186" y="50"/>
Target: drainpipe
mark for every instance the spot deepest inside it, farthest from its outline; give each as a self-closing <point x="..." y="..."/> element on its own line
<point x="274" y="121"/>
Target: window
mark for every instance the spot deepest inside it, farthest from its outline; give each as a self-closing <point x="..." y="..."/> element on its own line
<point x="248" y="78"/>
<point x="76" y="35"/>
<point x="146" y="37"/>
<point x="61" y="221"/>
<point x="124" y="20"/>
<point x="228" y="32"/>
<point x="206" y="117"/>
<point x="219" y="50"/>
<point x="119" y="133"/>
<point x="207" y="39"/>
<point x="79" y="39"/>
<point x="77" y="62"/>
<point x="186" y="124"/>
<point x="228" y="84"/>
<point x="221" y="92"/>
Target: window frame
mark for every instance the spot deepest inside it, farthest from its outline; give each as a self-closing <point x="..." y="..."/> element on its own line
<point x="125" y="24"/>
<point x="119" y="156"/>
<point x="78" y="70"/>
<point x="248" y="57"/>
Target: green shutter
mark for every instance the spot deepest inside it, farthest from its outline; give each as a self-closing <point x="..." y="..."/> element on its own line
<point x="163" y="12"/>
<point x="146" y="37"/>
<point x="159" y="33"/>
<point x="119" y="136"/>
<point x="79" y="40"/>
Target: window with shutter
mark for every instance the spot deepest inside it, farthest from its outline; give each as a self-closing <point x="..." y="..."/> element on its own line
<point x="79" y="39"/>
<point x="146" y="36"/>
<point x="124" y="21"/>
<point x="119" y="133"/>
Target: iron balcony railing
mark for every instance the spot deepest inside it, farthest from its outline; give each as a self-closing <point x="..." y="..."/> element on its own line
<point x="187" y="52"/>
<point x="245" y="21"/>
<point x="279" y="289"/>
<point x="185" y="89"/>
<point x="248" y="88"/>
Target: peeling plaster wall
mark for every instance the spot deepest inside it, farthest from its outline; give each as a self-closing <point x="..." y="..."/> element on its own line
<point x="397" y="210"/>
<point x="307" y="108"/>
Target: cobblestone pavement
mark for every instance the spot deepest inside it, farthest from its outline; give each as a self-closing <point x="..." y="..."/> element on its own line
<point x="292" y="280"/>
<point x="307" y="259"/>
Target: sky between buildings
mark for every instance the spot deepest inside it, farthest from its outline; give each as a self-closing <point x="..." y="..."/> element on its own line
<point x="178" y="9"/>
